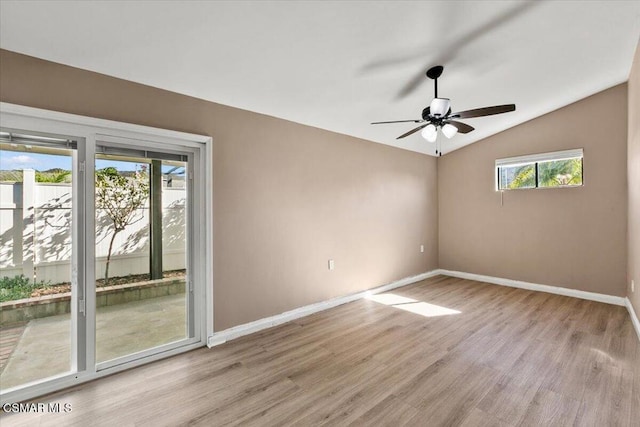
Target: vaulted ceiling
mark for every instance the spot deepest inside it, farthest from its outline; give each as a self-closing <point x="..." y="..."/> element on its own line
<point x="341" y="65"/>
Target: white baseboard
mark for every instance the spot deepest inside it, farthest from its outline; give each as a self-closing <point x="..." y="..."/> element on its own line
<point x="634" y="317"/>
<point x="248" y="328"/>
<point x="592" y="296"/>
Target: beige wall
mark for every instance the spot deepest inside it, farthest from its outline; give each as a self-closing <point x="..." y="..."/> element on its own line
<point x="569" y="237"/>
<point x="287" y="197"/>
<point x="633" y="174"/>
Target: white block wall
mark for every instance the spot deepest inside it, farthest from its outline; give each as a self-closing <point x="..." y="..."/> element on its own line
<point x="44" y="230"/>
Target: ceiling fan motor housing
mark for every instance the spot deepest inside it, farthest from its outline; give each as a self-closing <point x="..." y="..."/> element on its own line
<point x="440" y="107"/>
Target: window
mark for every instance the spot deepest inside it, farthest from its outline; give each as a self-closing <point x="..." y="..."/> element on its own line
<point x="546" y="170"/>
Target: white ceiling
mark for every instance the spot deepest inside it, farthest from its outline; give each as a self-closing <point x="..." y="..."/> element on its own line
<point x="341" y="65"/>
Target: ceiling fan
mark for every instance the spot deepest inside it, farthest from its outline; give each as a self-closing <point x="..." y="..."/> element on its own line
<point x="438" y="115"/>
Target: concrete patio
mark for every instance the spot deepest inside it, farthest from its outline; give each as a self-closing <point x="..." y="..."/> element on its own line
<point x="42" y="349"/>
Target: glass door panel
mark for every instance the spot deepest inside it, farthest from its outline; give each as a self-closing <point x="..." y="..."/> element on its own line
<point x="142" y="298"/>
<point x="37" y="206"/>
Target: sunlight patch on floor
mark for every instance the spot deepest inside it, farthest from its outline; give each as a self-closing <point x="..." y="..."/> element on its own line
<point x="414" y="306"/>
<point x="604" y="355"/>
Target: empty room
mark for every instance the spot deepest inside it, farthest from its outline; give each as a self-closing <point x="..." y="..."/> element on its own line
<point x="269" y="213"/>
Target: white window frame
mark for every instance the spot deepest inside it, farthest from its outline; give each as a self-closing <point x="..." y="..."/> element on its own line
<point x="92" y="129"/>
<point x="537" y="158"/>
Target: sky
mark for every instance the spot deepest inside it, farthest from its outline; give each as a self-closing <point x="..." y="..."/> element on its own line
<point x="13" y="160"/>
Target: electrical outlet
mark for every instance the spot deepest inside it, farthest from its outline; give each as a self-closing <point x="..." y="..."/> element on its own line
<point x="421" y="248"/>
<point x="331" y="264"/>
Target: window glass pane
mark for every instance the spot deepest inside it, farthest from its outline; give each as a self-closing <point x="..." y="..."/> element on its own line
<point x="522" y="176"/>
<point x="558" y="173"/>
<point x="141" y="254"/>
<point x="36" y="245"/>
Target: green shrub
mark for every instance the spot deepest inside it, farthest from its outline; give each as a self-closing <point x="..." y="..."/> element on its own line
<point x="18" y="287"/>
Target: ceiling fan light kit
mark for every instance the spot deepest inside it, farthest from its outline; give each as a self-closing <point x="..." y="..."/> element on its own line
<point x="430" y="133"/>
<point x="449" y="130"/>
<point x="438" y="115"/>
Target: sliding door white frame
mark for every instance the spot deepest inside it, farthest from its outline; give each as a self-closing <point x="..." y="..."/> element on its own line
<point x="90" y="131"/>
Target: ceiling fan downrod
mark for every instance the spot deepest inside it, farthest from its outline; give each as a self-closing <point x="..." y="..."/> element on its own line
<point x="433" y="73"/>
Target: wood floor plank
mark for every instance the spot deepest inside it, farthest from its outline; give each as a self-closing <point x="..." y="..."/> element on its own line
<point x="509" y="398"/>
<point x="479" y="418"/>
<point x="391" y="412"/>
<point x="568" y="373"/>
<point x="506" y="357"/>
<point x="551" y="409"/>
<point x="607" y="396"/>
<point x="451" y="404"/>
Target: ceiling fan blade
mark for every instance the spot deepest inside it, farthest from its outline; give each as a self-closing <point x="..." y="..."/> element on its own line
<point x="414" y="130"/>
<point x="398" y="121"/>
<point x="486" y="111"/>
<point x="462" y="127"/>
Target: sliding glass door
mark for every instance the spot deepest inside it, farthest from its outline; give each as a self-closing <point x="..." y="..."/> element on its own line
<point x="102" y="243"/>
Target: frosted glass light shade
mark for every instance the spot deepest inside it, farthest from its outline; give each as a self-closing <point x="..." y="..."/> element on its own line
<point x="430" y="133"/>
<point x="439" y="107"/>
<point x="449" y="130"/>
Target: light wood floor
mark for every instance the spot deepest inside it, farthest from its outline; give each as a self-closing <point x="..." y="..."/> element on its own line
<point x="510" y="357"/>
